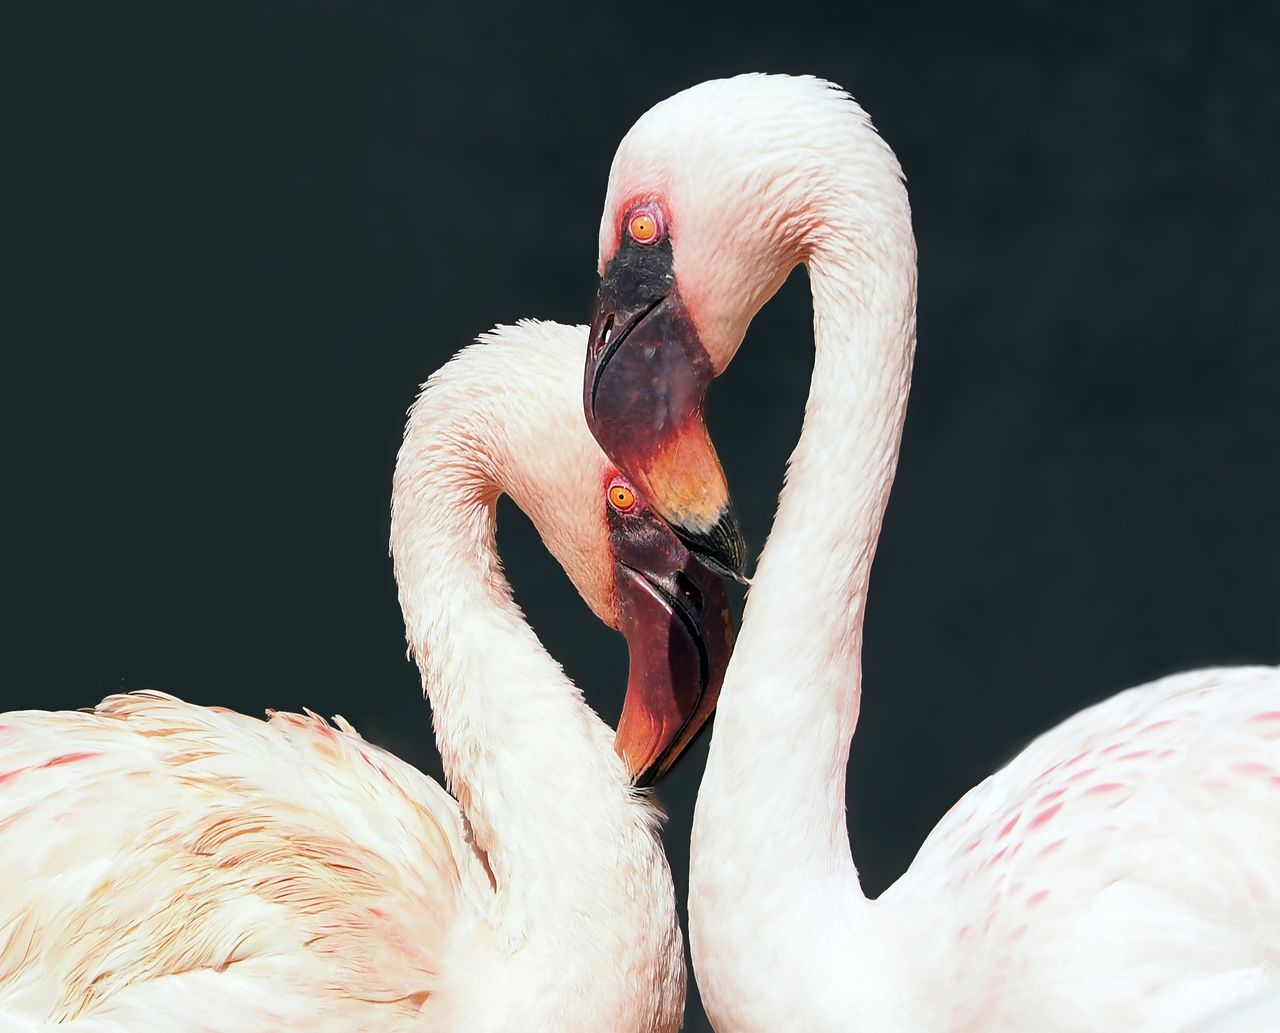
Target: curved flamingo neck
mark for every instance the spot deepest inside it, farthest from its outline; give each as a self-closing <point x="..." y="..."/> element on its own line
<point x="771" y="809"/>
<point x="532" y="766"/>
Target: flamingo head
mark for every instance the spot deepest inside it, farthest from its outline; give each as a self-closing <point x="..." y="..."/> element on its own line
<point x="714" y="196"/>
<point x="675" y="614"/>
<point x="639" y="578"/>
<point x="504" y="418"/>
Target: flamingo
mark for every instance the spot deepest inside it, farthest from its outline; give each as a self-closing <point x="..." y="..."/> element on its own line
<point x="1122" y="872"/>
<point x="176" y="867"/>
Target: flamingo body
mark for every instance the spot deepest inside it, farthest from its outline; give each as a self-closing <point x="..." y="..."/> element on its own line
<point x="1123" y="872"/>
<point x="1120" y="872"/>
<point x="180" y="868"/>
<point x="1121" y="868"/>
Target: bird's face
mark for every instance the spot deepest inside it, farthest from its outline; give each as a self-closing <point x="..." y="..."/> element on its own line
<point x="646" y="377"/>
<point x="676" y="618"/>
<point x="639" y="578"/>
<point x="626" y="563"/>
<point x="698" y="233"/>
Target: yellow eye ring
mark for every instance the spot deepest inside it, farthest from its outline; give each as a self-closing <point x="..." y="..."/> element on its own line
<point x="643" y="228"/>
<point x="645" y="224"/>
<point x="621" y="498"/>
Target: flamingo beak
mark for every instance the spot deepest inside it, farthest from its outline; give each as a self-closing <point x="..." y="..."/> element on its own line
<point x="646" y="378"/>
<point x="676" y="617"/>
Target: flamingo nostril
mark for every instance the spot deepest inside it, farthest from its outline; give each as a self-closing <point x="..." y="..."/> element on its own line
<point x="689" y="591"/>
<point x="606" y="331"/>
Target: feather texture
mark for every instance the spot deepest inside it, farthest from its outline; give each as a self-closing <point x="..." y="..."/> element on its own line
<point x="224" y="854"/>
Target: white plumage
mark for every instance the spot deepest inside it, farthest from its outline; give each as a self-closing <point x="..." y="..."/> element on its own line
<point x="181" y="868"/>
<point x="1123" y="872"/>
<point x="170" y="866"/>
<point x="1259" y="1014"/>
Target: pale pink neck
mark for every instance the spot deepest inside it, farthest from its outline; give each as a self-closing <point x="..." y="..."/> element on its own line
<point x="531" y="764"/>
<point x="776" y="773"/>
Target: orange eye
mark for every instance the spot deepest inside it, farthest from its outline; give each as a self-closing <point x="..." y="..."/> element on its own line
<point x="645" y="226"/>
<point x="621" y="497"/>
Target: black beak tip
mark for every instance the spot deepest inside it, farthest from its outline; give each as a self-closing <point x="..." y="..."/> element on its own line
<point x="721" y="548"/>
<point x="647" y="779"/>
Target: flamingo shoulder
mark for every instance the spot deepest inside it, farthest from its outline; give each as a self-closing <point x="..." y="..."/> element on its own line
<point x="1129" y="846"/>
<point x="159" y="853"/>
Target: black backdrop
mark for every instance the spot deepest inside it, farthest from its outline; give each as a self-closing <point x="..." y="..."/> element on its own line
<point x="256" y="231"/>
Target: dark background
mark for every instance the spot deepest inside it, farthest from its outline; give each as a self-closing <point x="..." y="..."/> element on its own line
<point x="254" y="232"/>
